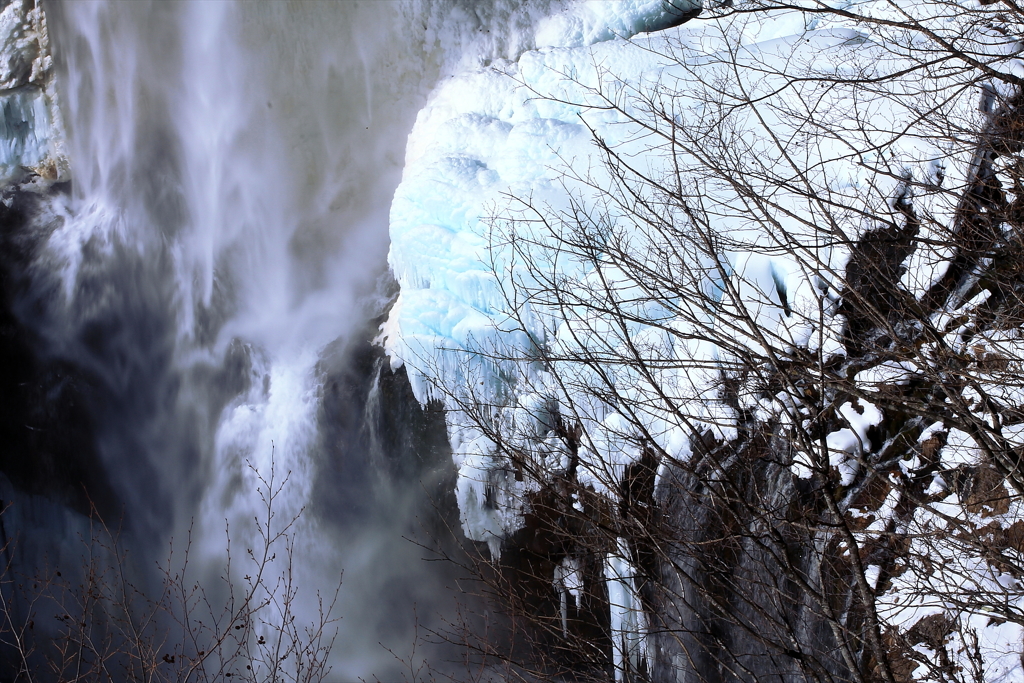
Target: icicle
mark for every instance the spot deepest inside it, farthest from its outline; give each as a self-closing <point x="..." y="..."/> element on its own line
<point x="568" y="581"/>
<point x="564" y="605"/>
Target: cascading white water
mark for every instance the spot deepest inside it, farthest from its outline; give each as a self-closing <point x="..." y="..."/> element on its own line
<point x="233" y="165"/>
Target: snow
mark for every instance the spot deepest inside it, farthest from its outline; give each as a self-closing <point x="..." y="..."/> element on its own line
<point x="947" y="568"/>
<point x="887" y="372"/>
<point x="871" y="574"/>
<point x="960" y="449"/>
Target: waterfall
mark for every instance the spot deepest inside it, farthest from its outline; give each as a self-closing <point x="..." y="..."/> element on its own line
<point x="213" y="275"/>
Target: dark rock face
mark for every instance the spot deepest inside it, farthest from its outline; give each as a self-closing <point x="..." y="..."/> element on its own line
<point x="385" y="488"/>
<point x="723" y="602"/>
<point x="52" y="478"/>
<point x="46" y="426"/>
<point x="375" y="437"/>
<point x="94" y="412"/>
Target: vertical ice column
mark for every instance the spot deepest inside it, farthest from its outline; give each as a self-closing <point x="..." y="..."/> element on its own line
<point x="628" y="624"/>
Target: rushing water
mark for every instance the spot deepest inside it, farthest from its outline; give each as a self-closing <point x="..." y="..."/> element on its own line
<point x="233" y="165"/>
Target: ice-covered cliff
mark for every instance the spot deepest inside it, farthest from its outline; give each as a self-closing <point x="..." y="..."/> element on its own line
<point x="702" y="276"/>
<point x="31" y="130"/>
